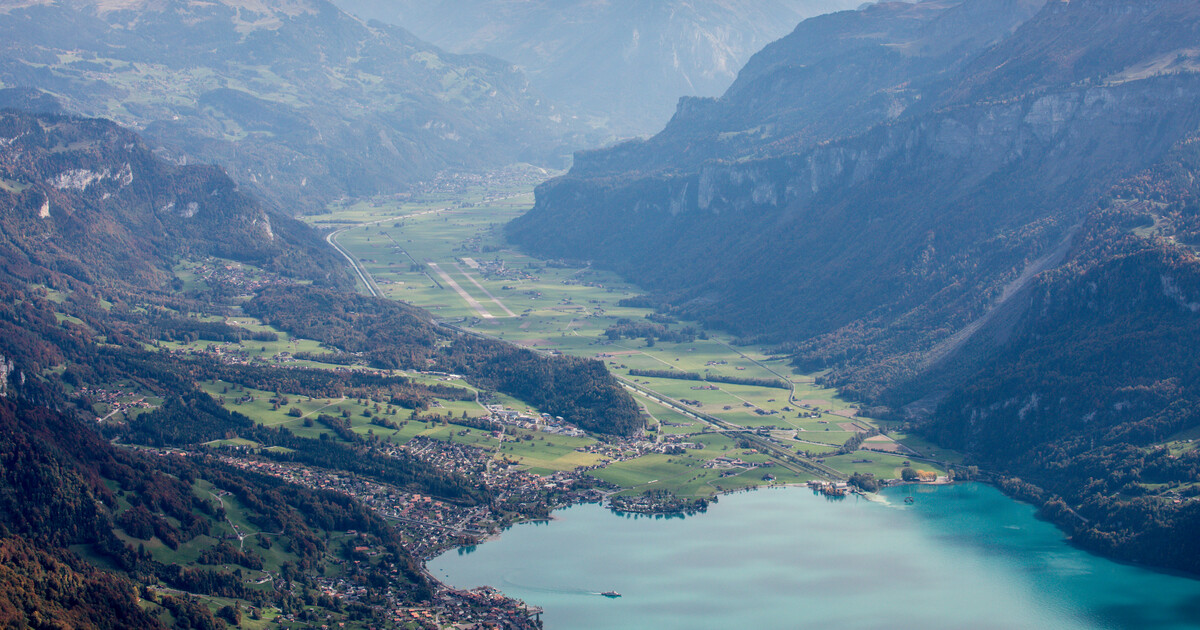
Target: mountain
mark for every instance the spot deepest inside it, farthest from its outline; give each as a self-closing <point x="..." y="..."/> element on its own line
<point x="138" y="518"/>
<point x="301" y="102"/>
<point x="87" y="208"/>
<point x="808" y="173"/>
<point x="622" y="64"/>
<point x="88" y="199"/>
<point x="94" y="535"/>
<point x="834" y="76"/>
<point x="979" y="215"/>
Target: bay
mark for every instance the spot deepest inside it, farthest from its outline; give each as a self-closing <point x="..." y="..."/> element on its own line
<point x="959" y="556"/>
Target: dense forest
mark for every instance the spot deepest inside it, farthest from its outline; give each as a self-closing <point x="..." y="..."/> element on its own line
<point x="46" y="587"/>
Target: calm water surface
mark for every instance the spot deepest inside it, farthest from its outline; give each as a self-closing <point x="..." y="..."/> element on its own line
<point x="962" y="556"/>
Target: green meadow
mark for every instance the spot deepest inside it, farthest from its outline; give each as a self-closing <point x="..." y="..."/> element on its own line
<point x="446" y="253"/>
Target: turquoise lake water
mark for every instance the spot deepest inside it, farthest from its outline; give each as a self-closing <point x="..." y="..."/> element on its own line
<point x="961" y="556"/>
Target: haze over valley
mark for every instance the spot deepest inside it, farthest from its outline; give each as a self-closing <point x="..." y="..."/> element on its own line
<point x="621" y="66"/>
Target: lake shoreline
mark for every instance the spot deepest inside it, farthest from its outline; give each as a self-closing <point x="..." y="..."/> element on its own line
<point x="949" y="537"/>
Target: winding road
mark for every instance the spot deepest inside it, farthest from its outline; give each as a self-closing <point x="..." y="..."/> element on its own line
<point x="362" y="272"/>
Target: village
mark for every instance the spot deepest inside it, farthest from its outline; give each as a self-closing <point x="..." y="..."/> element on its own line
<point x="431" y="526"/>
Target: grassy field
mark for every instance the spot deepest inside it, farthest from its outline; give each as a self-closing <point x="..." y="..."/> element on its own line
<point x="539" y="452"/>
<point x="446" y="254"/>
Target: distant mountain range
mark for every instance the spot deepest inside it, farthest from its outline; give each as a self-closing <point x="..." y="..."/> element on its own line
<point x="622" y="64"/>
<point x="980" y="215"/>
<point x="301" y="102"/>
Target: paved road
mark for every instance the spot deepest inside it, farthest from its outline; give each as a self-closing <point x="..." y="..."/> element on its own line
<point x="783" y="454"/>
<point x="363" y="274"/>
<point x="361" y="271"/>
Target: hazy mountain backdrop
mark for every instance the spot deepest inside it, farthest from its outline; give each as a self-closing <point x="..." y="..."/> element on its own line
<point x="300" y="101"/>
<point x="622" y="64"/>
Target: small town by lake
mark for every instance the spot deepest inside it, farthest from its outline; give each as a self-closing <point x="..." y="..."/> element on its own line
<point x="957" y="556"/>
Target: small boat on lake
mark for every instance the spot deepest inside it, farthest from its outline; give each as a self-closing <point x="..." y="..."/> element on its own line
<point x="613" y="594"/>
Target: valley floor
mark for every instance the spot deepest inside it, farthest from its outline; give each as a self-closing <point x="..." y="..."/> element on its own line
<point x="753" y="421"/>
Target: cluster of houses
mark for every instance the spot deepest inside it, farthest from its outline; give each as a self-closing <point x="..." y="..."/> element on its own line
<point x="830" y="488"/>
<point x="458" y="183"/>
<point x="485" y="607"/>
<point x="229" y="274"/>
<point x="430" y="526"/>
<point x="117" y="401"/>
<point x="546" y="423"/>
<point x="726" y="463"/>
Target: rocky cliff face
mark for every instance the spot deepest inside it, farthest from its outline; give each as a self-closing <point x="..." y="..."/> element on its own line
<point x="834" y="76"/>
<point x="913" y="225"/>
<point x="908" y="230"/>
<point x="88" y="199"/>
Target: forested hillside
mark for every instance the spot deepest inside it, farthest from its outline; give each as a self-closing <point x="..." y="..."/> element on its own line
<point x="1093" y="395"/>
<point x="301" y="102"/>
<point x="112" y="260"/>
<point x="392" y="335"/>
<point x="980" y="212"/>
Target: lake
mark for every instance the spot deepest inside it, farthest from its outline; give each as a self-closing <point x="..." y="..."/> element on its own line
<point x="960" y="556"/>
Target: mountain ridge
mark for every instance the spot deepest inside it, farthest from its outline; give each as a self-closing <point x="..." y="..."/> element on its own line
<point x="1006" y="262"/>
<point x="301" y="102"/>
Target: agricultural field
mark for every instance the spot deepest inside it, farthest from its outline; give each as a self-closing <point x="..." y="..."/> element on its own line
<point x="539" y="452"/>
<point x="446" y="253"/>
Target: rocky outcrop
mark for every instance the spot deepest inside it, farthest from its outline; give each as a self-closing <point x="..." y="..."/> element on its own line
<point x="89" y="199"/>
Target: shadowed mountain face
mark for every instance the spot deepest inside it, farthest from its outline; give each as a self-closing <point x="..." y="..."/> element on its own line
<point x="622" y="64"/>
<point x="300" y="101"/>
<point x="983" y="211"/>
<point x="849" y="162"/>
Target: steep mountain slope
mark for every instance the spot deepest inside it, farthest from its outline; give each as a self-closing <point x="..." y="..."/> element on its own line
<point x="1110" y="42"/>
<point x="301" y="102"/>
<point x="906" y="232"/>
<point x="88" y="199"/>
<point x="1093" y="392"/>
<point x="1007" y="249"/>
<point x="623" y="63"/>
<point x="834" y="75"/>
